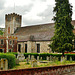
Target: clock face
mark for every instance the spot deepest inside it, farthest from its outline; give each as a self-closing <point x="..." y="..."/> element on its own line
<point x="9" y="19"/>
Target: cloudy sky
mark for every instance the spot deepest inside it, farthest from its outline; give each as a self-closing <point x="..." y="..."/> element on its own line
<point x="33" y="11"/>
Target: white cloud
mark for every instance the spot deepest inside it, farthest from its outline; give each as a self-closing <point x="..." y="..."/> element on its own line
<point x="17" y="3"/>
<point x="32" y="11"/>
<point x="72" y="2"/>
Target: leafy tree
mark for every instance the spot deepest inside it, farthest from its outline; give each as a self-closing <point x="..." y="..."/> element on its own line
<point x="1" y="32"/>
<point x="63" y="35"/>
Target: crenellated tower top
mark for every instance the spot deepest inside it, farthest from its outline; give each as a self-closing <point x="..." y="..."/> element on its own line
<point x="12" y="21"/>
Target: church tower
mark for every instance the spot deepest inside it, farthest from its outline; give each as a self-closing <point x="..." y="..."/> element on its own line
<point x="12" y="21"/>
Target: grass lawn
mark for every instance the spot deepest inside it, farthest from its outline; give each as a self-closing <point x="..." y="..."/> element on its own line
<point x="23" y="65"/>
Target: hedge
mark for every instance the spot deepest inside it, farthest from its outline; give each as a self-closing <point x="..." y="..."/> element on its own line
<point x="44" y="55"/>
<point x="35" y="54"/>
<point x="15" y="53"/>
<point x="10" y="57"/>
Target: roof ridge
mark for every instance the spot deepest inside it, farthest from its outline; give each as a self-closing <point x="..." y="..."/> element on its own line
<point x="41" y="24"/>
<point x="38" y="25"/>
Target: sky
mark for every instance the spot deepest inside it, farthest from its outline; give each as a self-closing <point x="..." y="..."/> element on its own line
<point x="33" y="12"/>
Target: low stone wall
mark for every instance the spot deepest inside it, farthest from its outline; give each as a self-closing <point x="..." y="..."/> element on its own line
<point x="53" y="70"/>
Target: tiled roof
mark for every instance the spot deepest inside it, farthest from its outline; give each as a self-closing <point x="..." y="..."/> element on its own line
<point x="43" y="32"/>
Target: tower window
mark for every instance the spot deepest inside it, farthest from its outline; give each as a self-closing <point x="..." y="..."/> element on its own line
<point x="17" y="19"/>
<point x="9" y="18"/>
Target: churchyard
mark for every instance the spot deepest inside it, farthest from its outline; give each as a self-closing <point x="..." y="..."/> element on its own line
<point x="31" y="60"/>
<point x="43" y="63"/>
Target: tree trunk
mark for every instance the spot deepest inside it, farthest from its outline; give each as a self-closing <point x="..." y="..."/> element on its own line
<point x="63" y="54"/>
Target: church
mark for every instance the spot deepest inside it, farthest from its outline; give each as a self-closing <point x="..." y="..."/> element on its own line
<point x="28" y="39"/>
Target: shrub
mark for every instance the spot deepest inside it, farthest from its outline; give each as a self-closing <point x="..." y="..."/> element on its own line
<point x="11" y="59"/>
<point x="15" y="53"/>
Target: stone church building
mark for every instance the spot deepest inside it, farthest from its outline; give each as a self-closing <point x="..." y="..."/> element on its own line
<point x="28" y="39"/>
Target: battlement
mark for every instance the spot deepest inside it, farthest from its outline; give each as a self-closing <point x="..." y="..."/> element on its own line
<point x="12" y="37"/>
<point x="13" y="14"/>
<point x="10" y="16"/>
<point x="9" y="37"/>
<point x="12" y="21"/>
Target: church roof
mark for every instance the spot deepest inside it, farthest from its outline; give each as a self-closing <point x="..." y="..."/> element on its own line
<point x="42" y="32"/>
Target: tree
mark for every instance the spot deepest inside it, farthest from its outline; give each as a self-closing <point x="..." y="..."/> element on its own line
<point x="63" y="35"/>
<point x="1" y="32"/>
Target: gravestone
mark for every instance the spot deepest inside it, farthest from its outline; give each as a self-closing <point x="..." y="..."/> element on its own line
<point x="70" y="58"/>
<point x="62" y="59"/>
<point x="29" y="57"/>
<point x="27" y="60"/>
<point x="21" y="57"/>
<point x="55" y="58"/>
<point x="17" y="61"/>
<point x="32" y="57"/>
<point x="4" y="64"/>
<point x="47" y="58"/>
<point x="37" y="58"/>
<point x="41" y="58"/>
<point x="50" y="58"/>
<point x="34" y="63"/>
<point x="66" y="57"/>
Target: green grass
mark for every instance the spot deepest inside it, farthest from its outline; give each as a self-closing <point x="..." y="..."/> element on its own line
<point x="23" y="65"/>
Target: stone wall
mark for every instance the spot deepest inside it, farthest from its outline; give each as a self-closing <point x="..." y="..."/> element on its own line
<point x="32" y="46"/>
<point x="44" y="46"/>
<point x="53" y="70"/>
<point x="29" y="47"/>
